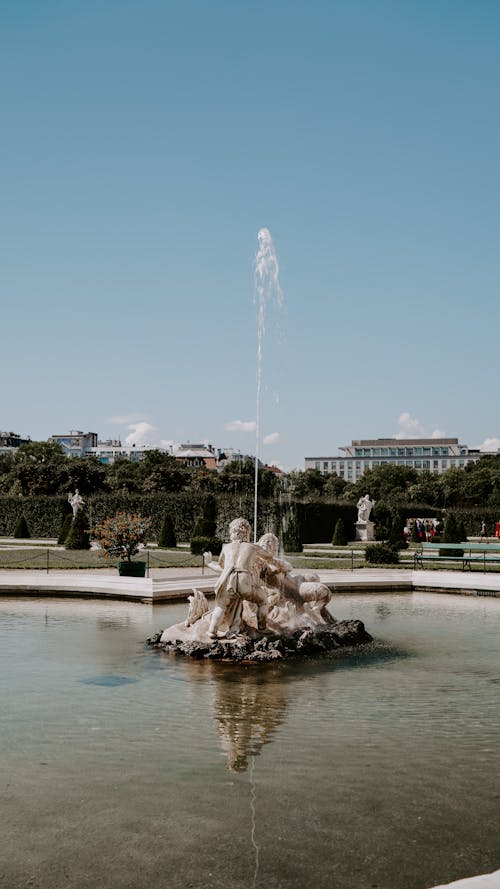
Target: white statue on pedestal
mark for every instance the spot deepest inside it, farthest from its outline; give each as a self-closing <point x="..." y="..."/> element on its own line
<point x="364" y="506"/>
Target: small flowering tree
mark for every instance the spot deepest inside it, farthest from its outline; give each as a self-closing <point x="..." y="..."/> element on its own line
<point x="120" y="535"/>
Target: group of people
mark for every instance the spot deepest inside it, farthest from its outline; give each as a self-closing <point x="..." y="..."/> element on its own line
<point x="426" y="529"/>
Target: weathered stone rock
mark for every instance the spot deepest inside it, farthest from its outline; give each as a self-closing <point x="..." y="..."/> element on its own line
<point x="270" y="646"/>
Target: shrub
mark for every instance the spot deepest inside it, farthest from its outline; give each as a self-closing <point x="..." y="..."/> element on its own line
<point x="79" y="532"/>
<point x="21" y="529"/>
<point x="200" y="545"/>
<point x="451" y="531"/>
<point x="291" y="537"/>
<point x="204" y="533"/>
<point x="381" y="554"/>
<point x="167" y="536"/>
<point x="121" y="535"/>
<point x="66" y="525"/>
<point x="396" y="537"/>
<point x="339" y="535"/>
<point x="382" y="516"/>
<point x="462" y="533"/>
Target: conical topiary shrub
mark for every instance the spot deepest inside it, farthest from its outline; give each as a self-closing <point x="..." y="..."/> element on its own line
<point x="397" y="538"/>
<point x="22" y="530"/>
<point x="167" y="538"/>
<point x="204" y="532"/>
<point x="339" y="535"/>
<point x="451" y="532"/>
<point x="66" y="525"/>
<point x="79" y="533"/>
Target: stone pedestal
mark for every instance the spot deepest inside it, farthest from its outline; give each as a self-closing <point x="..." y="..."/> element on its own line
<point x="365" y="530"/>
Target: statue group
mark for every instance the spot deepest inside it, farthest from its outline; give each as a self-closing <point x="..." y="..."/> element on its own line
<point x="262" y="610"/>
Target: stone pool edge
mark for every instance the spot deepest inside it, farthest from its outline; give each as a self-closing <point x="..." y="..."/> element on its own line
<point x="92" y="584"/>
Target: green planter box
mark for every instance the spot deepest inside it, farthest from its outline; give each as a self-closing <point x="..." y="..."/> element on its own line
<point x="132" y="569"/>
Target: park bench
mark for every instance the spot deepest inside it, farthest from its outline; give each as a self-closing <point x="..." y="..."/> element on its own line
<point x="479" y="554"/>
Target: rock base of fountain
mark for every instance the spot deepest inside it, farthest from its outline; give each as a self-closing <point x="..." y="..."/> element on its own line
<point x="257" y="647"/>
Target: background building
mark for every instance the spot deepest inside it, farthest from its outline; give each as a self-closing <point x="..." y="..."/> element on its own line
<point x="431" y="454"/>
<point x="11" y="440"/>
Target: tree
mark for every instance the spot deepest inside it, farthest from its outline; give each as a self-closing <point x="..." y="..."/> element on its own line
<point x="334" y="486"/>
<point x="451" y="532"/>
<point x="167" y="538"/>
<point x="124" y="475"/>
<point x="339" y="535"/>
<point x="396" y="538"/>
<point x="65" y="528"/>
<point x="79" y="532"/>
<point x="204" y="532"/>
<point x="388" y="482"/>
<point x="85" y="473"/>
<point x="22" y="530"/>
<point x="162" y="472"/>
<point x="308" y="484"/>
<point x="121" y="535"/>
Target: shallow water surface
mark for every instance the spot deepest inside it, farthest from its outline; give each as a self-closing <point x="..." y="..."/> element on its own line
<point x="125" y="767"/>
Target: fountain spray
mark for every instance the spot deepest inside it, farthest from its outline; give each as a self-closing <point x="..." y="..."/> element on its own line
<point x="267" y="288"/>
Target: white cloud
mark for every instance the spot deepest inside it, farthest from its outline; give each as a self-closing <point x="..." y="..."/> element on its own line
<point x="272" y="438"/>
<point x="489" y="444"/>
<point x="411" y="427"/>
<point x="141" y="435"/>
<point x="241" y="426"/>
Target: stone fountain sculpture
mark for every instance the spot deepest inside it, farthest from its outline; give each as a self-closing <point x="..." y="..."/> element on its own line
<point x="262" y="610"/>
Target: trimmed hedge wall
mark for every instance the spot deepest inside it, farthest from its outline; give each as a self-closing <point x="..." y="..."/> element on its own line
<point x="316" y="520"/>
<point x="44" y="515"/>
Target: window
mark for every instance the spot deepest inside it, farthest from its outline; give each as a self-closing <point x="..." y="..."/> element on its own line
<point x="426" y="464"/>
<point x="444" y="464"/>
<point x="435" y="464"/>
<point x="392" y="452"/>
<point x="401" y="452"/>
<point x="317" y="465"/>
<point x="418" y="464"/>
<point x="383" y="452"/>
<point x="367" y="452"/>
<point x="325" y="466"/>
<point x="418" y="452"/>
<point x="358" y="452"/>
<point x="444" y="452"/>
<point x="376" y="452"/>
<point x="427" y="452"/>
<point x="435" y="452"/>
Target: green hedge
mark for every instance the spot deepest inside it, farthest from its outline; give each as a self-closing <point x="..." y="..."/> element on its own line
<point x="315" y="520"/>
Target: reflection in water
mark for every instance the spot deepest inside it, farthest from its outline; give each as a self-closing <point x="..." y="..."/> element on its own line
<point x="248" y="709"/>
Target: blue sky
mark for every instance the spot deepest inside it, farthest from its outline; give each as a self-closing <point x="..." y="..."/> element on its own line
<point x="145" y="143"/>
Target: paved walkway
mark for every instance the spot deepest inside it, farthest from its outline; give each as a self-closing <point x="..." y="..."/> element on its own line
<point x="176" y="583"/>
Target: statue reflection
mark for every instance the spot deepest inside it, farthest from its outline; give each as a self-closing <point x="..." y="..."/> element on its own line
<point x="248" y="710"/>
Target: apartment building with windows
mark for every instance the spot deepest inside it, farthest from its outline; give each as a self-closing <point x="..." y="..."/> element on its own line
<point x="431" y="454"/>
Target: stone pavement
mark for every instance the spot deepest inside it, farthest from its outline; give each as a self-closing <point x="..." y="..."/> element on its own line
<point x="165" y="584"/>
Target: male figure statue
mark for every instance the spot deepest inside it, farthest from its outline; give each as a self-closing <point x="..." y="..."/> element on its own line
<point x="241" y="563"/>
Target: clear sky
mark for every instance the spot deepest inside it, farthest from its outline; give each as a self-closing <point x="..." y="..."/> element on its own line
<point x="144" y="144"/>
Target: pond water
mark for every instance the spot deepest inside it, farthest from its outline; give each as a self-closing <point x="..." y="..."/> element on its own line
<point x="124" y="767"/>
